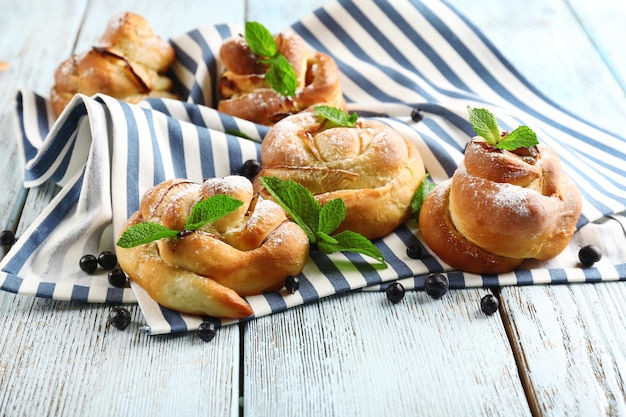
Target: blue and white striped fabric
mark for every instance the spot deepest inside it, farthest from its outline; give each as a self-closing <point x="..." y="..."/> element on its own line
<point x="394" y="57"/>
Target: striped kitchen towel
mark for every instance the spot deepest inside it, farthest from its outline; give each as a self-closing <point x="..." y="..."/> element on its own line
<point x="394" y="57"/>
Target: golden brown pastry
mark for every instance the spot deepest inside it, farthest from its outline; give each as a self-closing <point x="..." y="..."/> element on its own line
<point x="501" y="207"/>
<point x="370" y="167"/>
<point x="206" y="272"/>
<point x="245" y="94"/>
<point x="129" y="63"/>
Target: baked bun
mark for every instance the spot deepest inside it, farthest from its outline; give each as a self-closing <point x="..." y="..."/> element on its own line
<point x="129" y="63"/>
<point x="244" y="92"/>
<point x="370" y="167"/>
<point x="501" y="207"/>
<point x="206" y="272"/>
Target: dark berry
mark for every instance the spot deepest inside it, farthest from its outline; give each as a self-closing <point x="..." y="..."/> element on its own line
<point x="207" y="331"/>
<point x="250" y="168"/>
<point x="119" y="318"/>
<point x="7" y="237"/>
<point x="436" y="285"/>
<point x="292" y="284"/>
<point x="107" y="260"/>
<point x="489" y="304"/>
<point x="417" y="115"/>
<point x="589" y="255"/>
<point x="414" y="251"/>
<point x="88" y="263"/>
<point x="117" y="277"/>
<point x="395" y="292"/>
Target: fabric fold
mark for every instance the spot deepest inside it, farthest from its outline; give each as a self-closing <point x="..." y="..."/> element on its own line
<point x="394" y="57"/>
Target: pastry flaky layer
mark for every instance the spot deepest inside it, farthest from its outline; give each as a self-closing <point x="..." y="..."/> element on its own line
<point x="207" y="271"/>
<point x="244" y="92"/>
<point x="128" y="63"/>
<point x="501" y="207"/>
<point x="370" y="167"/>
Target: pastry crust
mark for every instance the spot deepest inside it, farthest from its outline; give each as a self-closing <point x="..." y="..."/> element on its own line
<point x="500" y="208"/>
<point x="129" y="63"/>
<point x="370" y="167"/>
<point x="244" y="92"/>
<point x="206" y="272"/>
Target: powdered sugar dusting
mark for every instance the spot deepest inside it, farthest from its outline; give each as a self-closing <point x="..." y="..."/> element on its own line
<point x="512" y="197"/>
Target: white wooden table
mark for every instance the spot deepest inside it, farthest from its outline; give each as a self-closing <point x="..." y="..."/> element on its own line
<point x="553" y="351"/>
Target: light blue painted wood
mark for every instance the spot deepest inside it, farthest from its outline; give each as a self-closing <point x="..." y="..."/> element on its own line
<point x="347" y="355"/>
<point x="62" y="359"/>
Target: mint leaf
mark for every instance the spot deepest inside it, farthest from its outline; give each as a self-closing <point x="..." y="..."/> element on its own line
<point x="144" y="232"/>
<point x="281" y="76"/>
<point x="260" y="40"/>
<point x="236" y="132"/>
<point x="522" y="137"/>
<point x="349" y="241"/>
<point x="323" y="237"/>
<point x="337" y="117"/>
<point x="210" y="210"/>
<point x="420" y="194"/>
<point x="298" y="202"/>
<point x="331" y="215"/>
<point x="203" y="212"/>
<point x="485" y="124"/>
<point x="319" y="222"/>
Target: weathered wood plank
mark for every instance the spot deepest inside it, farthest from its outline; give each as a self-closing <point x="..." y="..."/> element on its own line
<point x="280" y="14"/>
<point x="568" y="338"/>
<point x="360" y="355"/>
<point x="546" y="43"/>
<point x="60" y="358"/>
<point x="23" y="69"/>
<point x="570" y="343"/>
<point x="604" y="24"/>
<point x="63" y="359"/>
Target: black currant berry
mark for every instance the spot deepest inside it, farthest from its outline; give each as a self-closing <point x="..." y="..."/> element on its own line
<point x="7" y="237"/>
<point x="207" y="331"/>
<point x="292" y="284"/>
<point x="489" y="304"/>
<point x="589" y="255"/>
<point x="414" y="251"/>
<point x="117" y="277"/>
<point x="119" y="318"/>
<point x="417" y="115"/>
<point x="436" y="285"/>
<point x="250" y="168"/>
<point x="395" y="292"/>
<point x="107" y="260"/>
<point x="88" y="263"/>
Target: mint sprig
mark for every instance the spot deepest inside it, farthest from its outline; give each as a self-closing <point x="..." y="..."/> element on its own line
<point x="317" y="221"/>
<point x="203" y="212"/>
<point x="420" y="194"/>
<point x="486" y="125"/>
<point x="280" y="75"/>
<point x="337" y="117"/>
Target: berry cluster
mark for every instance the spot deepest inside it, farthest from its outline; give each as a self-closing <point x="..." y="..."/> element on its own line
<point x="106" y="260"/>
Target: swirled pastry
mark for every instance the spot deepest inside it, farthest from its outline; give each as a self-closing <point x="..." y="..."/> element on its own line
<point x="370" y="167"/>
<point x="245" y="93"/>
<point x="501" y="207"/>
<point x="129" y="63"/>
<point x="207" y="271"/>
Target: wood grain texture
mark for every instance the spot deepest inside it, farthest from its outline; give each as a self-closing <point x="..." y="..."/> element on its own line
<point x="570" y="344"/>
<point x="546" y="42"/>
<point x="27" y="50"/>
<point x="568" y="338"/>
<point x="64" y="359"/>
<point x="348" y="355"/>
<point x="359" y="355"/>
